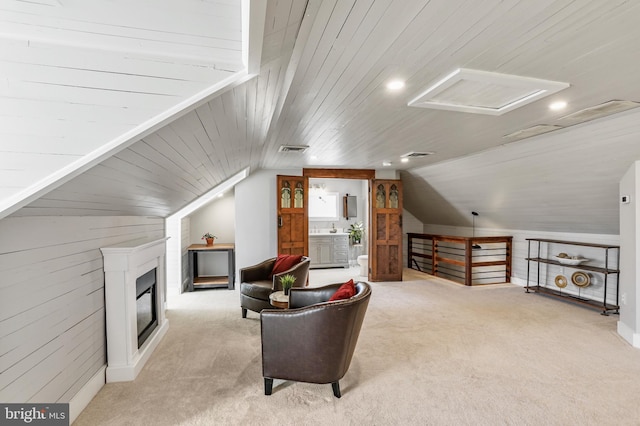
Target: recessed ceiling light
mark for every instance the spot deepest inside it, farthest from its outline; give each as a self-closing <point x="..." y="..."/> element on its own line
<point x="405" y="160"/>
<point x="314" y="157"/>
<point x="556" y="106"/>
<point x="395" y="84"/>
<point x="386" y="163"/>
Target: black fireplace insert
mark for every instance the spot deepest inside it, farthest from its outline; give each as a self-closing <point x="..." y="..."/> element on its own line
<point x="146" y="305"/>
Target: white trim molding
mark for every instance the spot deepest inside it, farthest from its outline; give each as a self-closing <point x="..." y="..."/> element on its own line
<point x="627" y="334"/>
<point x="84" y="396"/>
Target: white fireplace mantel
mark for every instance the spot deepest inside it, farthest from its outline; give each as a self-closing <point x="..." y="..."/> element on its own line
<point x="123" y="264"/>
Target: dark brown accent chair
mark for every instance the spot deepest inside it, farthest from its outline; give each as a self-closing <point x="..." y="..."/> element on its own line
<point x="312" y="341"/>
<point x="256" y="285"/>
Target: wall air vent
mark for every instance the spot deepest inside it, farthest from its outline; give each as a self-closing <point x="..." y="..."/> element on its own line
<point x="531" y="131"/>
<point x="293" y="148"/>
<point x="414" y="154"/>
<point x="483" y="92"/>
<point x="597" y="111"/>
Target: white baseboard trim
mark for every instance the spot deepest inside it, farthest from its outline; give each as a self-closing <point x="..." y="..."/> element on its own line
<point x="518" y="281"/>
<point x="127" y="373"/>
<point x="627" y="334"/>
<point x="84" y="396"/>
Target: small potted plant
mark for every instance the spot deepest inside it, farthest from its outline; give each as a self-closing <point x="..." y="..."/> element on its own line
<point x="209" y="237"/>
<point x="355" y="232"/>
<point x="287" y="282"/>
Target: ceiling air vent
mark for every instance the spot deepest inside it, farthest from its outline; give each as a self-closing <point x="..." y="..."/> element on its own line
<point x="414" y="154"/>
<point x="597" y="111"/>
<point x="483" y="92"/>
<point x="293" y="148"/>
<point x="531" y="131"/>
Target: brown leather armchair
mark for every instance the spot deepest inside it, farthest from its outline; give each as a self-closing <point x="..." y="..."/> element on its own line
<point x="256" y="285"/>
<point x="313" y="341"/>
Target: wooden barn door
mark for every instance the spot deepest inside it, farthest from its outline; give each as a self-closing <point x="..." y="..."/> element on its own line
<point x="385" y="233"/>
<point x="293" y="228"/>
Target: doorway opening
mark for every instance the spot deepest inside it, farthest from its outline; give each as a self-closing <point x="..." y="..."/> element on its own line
<point x="332" y="236"/>
<point x="353" y="182"/>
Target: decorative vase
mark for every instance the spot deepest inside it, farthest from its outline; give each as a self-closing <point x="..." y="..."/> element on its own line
<point x="286" y="291"/>
<point x="209" y="242"/>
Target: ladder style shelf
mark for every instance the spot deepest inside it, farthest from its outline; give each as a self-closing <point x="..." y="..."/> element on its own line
<point x="609" y="255"/>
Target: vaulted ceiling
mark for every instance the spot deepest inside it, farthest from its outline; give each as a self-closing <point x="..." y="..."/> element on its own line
<point x="321" y="83"/>
<point x="80" y="80"/>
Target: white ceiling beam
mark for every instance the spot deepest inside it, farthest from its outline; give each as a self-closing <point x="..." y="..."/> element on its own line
<point x="36" y="190"/>
<point x="253" y="16"/>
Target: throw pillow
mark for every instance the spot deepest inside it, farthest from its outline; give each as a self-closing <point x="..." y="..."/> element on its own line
<point x="345" y="291"/>
<point x="285" y="262"/>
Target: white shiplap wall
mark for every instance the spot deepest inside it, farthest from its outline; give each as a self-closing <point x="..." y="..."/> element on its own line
<point x="52" y="301"/>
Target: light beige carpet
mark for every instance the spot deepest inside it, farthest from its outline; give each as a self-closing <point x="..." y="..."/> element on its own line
<point x="430" y="352"/>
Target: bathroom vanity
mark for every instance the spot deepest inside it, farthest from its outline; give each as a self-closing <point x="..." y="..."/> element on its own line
<point x="327" y="250"/>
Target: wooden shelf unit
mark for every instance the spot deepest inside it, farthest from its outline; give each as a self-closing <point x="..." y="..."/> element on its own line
<point x="204" y="282"/>
<point x="605" y="270"/>
<point x="224" y="280"/>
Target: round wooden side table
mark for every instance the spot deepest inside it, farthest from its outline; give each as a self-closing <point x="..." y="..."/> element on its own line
<point x="279" y="300"/>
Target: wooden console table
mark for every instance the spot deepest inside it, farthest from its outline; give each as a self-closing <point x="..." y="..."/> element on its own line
<point x="197" y="282"/>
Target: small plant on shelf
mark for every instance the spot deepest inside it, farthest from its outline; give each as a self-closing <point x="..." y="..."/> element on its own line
<point x="209" y="237"/>
<point x="287" y="282"/>
<point x="355" y="232"/>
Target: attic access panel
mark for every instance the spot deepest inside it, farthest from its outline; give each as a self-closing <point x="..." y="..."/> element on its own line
<point x="483" y="92"/>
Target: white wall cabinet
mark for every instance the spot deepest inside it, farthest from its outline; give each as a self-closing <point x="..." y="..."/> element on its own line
<point x="329" y="250"/>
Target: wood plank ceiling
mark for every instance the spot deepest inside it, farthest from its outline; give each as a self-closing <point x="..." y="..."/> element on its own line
<point x="322" y="84"/>
<point x="168" y="169"/>
<point x="76" y="75"/>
